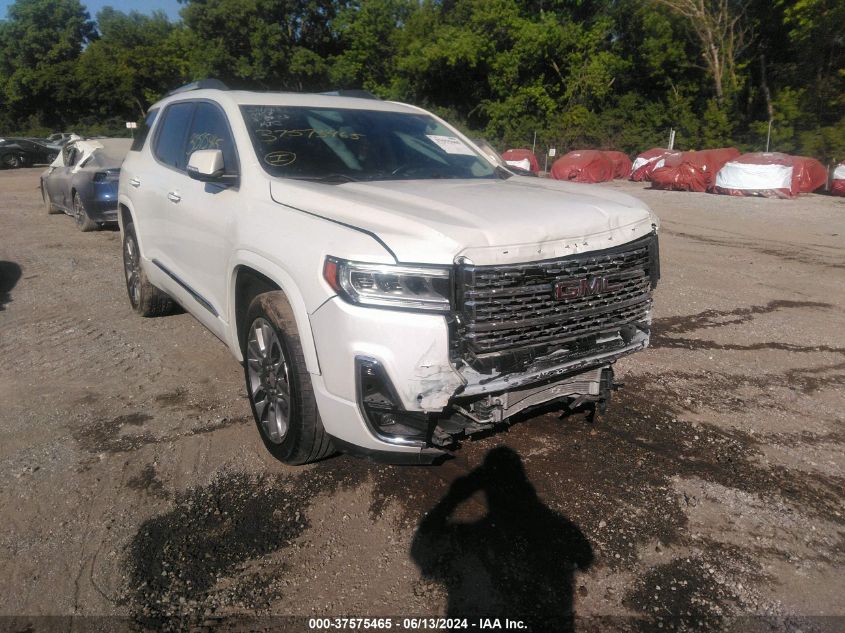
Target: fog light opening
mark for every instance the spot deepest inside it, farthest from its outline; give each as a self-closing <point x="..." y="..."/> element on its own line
<point x="383" y="410"/>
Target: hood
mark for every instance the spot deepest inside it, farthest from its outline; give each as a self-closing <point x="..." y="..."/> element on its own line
<point x="486" y="221"/>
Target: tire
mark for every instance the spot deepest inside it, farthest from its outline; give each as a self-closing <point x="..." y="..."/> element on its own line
<point x="83" y="222"/>
<point x="145" y="299"/>
<point x="277" y="377"/>
<point x="11" y="161"/>
<point x="51" y="208"/>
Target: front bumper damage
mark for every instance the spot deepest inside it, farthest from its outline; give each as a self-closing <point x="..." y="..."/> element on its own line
<point x="482" y="402"/>
<point x="420" y="383"/>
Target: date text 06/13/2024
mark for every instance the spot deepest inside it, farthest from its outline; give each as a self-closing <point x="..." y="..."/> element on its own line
<point x="414" y="624"/>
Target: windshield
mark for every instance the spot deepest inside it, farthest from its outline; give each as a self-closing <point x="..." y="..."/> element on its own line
<point x="340" y="145"/>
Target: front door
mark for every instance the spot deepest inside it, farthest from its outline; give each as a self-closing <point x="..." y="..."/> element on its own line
<point x="201" y="218"/>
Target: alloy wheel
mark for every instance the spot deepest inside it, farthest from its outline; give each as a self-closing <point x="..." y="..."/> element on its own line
<point x="132" y="269"/>
<point x="78" y="210"/>
<point x="268" y="380"/>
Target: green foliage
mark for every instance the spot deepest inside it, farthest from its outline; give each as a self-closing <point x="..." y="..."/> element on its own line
<point x="39" y="45"/>
<point x="827" y="142"/>
<point x="616" y="74"/>
<point x="717" y="128"/>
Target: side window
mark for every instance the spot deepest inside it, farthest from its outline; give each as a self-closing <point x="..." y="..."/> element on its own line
<point x="71" y="155"/>
<point x="211" y="131"/>
<point x="143" y="131"/>
<point x="170" y="139"/>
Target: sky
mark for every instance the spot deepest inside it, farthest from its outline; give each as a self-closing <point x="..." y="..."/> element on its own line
<point x="170" y="7"/>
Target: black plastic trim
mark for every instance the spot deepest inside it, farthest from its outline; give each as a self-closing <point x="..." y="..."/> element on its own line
<point x="202" y="84"/>
<point x="396" y="401"/>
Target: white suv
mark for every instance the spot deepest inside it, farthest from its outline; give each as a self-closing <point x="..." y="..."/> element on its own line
<point x="389" y="288"/>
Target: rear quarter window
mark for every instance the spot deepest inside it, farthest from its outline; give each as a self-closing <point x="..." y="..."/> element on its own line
<point x="143" y="131"/>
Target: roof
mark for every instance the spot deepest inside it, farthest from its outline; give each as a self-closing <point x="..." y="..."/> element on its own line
<point x="249" y="97"/>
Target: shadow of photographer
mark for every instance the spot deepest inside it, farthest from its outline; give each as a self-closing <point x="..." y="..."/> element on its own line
<point x="10" y="273"/>
<point x="516" y="562"/>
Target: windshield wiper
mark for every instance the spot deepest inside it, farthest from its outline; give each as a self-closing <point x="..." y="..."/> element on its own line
<point x="330" y="179"/>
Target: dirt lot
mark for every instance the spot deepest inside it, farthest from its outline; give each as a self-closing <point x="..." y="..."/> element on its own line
<point x="133" y="481"/>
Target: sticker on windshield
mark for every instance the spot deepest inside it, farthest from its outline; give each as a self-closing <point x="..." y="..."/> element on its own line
<point x="451" y="144"/>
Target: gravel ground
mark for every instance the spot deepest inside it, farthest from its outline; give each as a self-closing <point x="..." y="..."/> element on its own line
<point x="133" y="481"/>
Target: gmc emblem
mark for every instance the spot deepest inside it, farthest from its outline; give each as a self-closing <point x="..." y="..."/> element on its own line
<point x="587" y="287"/>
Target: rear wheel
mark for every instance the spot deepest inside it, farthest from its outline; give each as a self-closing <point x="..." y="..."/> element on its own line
<point x="83" y="222"/>
<point x="278" y="384"/>
<point x="145" y="298"/>
<point x="12" y="161"/>
<point x="51" y="208"/>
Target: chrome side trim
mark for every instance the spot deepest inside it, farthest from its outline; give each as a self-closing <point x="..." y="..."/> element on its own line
<point x="194" y="294"/>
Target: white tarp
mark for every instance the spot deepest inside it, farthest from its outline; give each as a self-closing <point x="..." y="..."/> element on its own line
<point x="639" y="162"/>
<point x="522" y="164"/>
<point x="754" y="177"/>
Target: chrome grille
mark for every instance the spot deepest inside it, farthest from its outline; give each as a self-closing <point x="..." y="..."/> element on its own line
<point x="513" y="308"/>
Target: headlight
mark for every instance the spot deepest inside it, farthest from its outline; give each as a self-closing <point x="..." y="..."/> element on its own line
<point x="386" y="286"/>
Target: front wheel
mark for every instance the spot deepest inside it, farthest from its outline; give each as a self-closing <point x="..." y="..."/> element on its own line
<point x="83" y="222"/>
<point x="278" y="384"/>
<point x="145" y="298"/>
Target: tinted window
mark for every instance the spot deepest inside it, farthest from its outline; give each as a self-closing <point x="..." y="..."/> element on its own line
<point x="337" y="144"/>
<point x="170" y="140"/>
<point x="142" y="132"/>
<point x="210" y="130"/>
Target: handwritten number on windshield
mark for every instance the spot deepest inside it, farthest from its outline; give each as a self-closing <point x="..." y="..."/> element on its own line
<point x="271" y="136"/>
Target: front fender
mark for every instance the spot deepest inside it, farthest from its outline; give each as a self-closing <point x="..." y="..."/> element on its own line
<point x="287" y="284"/>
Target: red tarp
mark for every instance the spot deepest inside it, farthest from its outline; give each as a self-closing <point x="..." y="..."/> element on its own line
<point x="588" y="165"/>
<point x="646" y="162"/>
<point x="518" y="155"/>
<point x="692" y="171"/>
<point x="621" y="164"/>
<point x="809" y="174"/>
<point x="770" y="174"/>
<point x="837" y="185"/>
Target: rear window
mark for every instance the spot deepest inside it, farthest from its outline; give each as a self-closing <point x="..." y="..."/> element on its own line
<point x="143" y="131"/>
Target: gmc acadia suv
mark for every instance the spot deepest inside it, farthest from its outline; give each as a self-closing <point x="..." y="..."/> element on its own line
<point x="388" y="287"/>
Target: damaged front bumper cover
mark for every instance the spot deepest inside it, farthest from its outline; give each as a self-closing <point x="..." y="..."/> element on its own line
<point x="483" y="401"/>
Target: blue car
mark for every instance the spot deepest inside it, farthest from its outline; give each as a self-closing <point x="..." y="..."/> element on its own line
<point x="82" y="181"/>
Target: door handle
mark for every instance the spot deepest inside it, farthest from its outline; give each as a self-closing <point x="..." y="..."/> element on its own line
<point x="134" y="182"/>
<point x="173" y="196"/>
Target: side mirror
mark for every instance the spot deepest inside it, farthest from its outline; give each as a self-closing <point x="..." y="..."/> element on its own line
<point x="206" y="165"/>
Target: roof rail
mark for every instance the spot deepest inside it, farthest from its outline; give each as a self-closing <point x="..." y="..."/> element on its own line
<point x="358" y="94"/>
<point x="202" y="84"/>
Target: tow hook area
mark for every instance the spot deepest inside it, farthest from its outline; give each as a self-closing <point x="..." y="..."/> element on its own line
<point x="466" y="417"/>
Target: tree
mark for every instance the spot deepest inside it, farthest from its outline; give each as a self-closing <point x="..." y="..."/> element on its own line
<point x="719" y="28"/>
<point x="268" y="44"/>
<point x="136" y="59"/>
<point x="39" y="44"/>
<point x="367" y="33"/>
